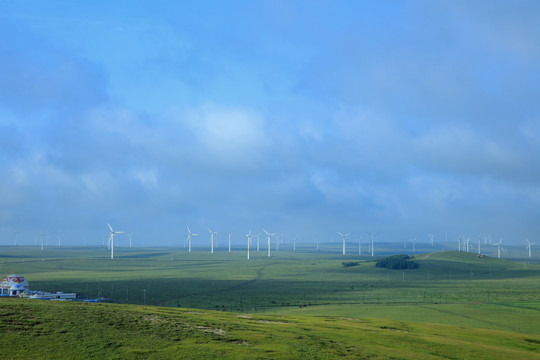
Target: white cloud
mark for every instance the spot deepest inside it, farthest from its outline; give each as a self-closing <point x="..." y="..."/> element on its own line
<point x="223" y="128"/>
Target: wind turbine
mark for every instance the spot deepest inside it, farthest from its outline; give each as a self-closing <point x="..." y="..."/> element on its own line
<point x="499" y="248"/>
<point x="269" y="236"/>
<point x="459" y="243"/>
<point x="230" y="242"/>
<point x="59" y="237"/>
<point x="42" y="237"/>
<point x="360" y="245"/>
<point x="130" y="236"/>
<point x="479" y="240"/>
<point x="466" y="242"/>
<point x="431" y="237"/>
<point x="212" y="240"/>
<point x="343" y="237"/>
<point x="248" y="242"/>
<point x="111" y="239"/>
<point x="258" y="236"/>
<point x="190" y="234"/>
<point x="529" y="247"/>
<point x="294" y="243"/>
<point x="372" y="237"/>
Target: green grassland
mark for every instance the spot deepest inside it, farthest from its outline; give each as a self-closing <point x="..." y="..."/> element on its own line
<point x="54" y="330"/>
<point x="292" y="305"/>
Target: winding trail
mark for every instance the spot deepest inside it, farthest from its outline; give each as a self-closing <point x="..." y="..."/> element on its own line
<point x="230" y="288"/>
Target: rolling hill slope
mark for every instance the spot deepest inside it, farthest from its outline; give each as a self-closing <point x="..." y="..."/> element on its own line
<point x="66" y="330"/>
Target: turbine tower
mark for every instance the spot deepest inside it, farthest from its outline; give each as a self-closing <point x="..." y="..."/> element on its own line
<point x="258" y="236"/>
<point x="212" y="240"/>
<point x="59" y="237"/>
<point x="499" y="248"/>
<point x="529" y="247"/>
<point x="130" y="238"/>
<point x="269" y="236"/>
<point x="111" y="239"/>
<point x="230" y="242"/>
<point x="431" y="237"/>
<point x="190" y="234"/>
<point x="42" y="237"/>
<point x="248" y="242"/>
<point x="372" y="237"/>
<point x="343" y="237"/>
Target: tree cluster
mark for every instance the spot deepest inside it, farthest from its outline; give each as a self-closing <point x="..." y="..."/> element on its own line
<point x="397" y="262"/>
<point x="350" y="263"/>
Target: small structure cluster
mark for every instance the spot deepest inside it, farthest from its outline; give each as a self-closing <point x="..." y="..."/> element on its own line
<point x="14" y="285"/>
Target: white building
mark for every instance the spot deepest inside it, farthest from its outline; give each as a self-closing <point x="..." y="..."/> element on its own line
<point x="14" y="285"/>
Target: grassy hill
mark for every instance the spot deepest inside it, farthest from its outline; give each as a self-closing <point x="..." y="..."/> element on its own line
<point x="454" y="305"/>
<point x="64" y="330"/>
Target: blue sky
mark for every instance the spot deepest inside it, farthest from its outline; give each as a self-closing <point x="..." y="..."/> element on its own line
<point x="303" y="117"/>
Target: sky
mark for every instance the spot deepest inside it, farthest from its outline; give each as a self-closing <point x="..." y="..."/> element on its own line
<point x="301" y="117"/>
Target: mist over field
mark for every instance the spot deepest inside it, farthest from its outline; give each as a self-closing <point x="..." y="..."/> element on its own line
<point x="302" y="118"/>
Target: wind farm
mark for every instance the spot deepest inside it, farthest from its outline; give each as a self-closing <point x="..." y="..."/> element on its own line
<point x="270" y="179"/>
<point x="228" y="285"/>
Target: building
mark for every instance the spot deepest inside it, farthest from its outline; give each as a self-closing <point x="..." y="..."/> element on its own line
<point x="14" y="285"/>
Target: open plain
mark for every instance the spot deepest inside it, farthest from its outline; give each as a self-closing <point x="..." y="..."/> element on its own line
<point x="301" y="304"/>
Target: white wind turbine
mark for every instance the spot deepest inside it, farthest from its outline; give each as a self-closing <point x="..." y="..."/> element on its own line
<point x="529" y="247"/>
<point x="248" y="242"/>
<point x="258" y="236"/>
<point x="360" y="245"/>
<point x="431" y="237"/>
<point x="42" y="240"/>
<point x="212" y="240"/>
<point x="466" y="242"/>
<point x="479" y="240"/>
<point x="59" y="237"/>
<point x="294" y="243"/>
<point x="343" y="238"/>
<point x="111" y="239"/>
<point x="499" y="248"/>
<point x="459" y="243"/>
<point x="190" y="234"/>
<point x="269" y="236"/>
<point x="230" y="242"/>
<point x="130" y="239"/>
<point x="372" y="237"/>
